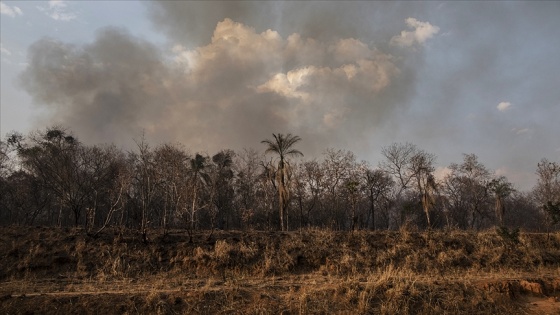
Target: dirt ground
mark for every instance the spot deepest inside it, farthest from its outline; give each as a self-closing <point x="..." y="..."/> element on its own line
<point x="212" y="296"/>
<point x="544" y="305"/>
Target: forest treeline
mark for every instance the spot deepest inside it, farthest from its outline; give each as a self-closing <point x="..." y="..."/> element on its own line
<point x="49" y="178"/>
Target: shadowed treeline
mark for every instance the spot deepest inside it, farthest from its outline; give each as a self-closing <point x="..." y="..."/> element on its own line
<point x="50" y="178"/>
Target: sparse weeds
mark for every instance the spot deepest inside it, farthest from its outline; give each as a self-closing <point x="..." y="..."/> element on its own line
<point x="509" y="237"/>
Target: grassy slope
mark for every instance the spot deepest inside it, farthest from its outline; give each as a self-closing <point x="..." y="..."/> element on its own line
<point x="62" y="271"/>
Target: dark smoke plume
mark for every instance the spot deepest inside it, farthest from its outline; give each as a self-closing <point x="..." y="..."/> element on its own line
<point x="229" y="78"/>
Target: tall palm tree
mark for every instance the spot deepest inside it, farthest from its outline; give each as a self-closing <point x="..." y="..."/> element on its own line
<point x="282" y="145"/>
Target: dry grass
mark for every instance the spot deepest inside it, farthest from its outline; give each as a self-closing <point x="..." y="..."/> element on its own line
<point x="307" y="272"/>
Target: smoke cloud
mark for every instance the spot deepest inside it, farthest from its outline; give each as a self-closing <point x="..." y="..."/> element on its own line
<point x="228" y="88"/>
<point x="450" y="77"/>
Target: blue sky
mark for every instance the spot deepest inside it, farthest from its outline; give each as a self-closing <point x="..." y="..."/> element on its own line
<point x="450" y="77"/>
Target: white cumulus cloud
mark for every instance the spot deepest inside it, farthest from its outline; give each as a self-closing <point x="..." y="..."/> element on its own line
<point x="58" y="10"/>
<point x="503" y="106"/>
<point x="421" y="33"/>
<point x="10" y="11"/>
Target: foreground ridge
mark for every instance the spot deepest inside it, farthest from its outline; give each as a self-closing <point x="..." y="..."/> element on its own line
<point x="53" y="271"/>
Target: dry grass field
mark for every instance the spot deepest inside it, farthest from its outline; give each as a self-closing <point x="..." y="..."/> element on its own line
<point x="64" y="271"/>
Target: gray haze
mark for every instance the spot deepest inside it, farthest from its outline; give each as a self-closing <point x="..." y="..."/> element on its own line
<point x="349" y="75"/>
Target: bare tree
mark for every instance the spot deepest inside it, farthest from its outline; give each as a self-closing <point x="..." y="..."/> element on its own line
<point x="172" y="163"/>
<point x="249" y="186"/>
<point x="112" y="180"/>
<point x="308" y="187"/>
<point x="146" y="181"/>
<point x="411" y="168"/>
<point x="468" y="191"/>
<point x="378" y="184"/>
<point x="547" y="190"/>
<point x="524" y="211"/>
<point x="4" y="172"/>
<point x="340" y="180"/>
<point x="4" y="159"/>
<point x="102" y="167"/>
<point x="199" y="180"/>
<point x="54" y="157"/>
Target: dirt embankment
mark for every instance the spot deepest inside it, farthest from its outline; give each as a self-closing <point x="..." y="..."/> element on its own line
<point x="64" y="271"/>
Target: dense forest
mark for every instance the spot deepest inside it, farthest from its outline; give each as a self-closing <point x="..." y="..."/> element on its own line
<point x="49" y="178"/>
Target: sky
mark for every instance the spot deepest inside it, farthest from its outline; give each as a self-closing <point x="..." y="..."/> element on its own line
<point x="452" y="78"/>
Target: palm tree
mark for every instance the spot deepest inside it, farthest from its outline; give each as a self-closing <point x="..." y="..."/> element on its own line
<point x="282" y="145"/>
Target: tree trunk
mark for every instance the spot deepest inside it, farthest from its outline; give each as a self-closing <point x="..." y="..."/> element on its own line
<point x="282" y="192"/>
<point x="500" y="209"/>
<point x="193" y="210"/>
<point x="426" y="204"/>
